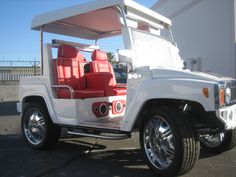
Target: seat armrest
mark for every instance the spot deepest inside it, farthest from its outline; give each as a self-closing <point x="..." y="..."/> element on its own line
<point x="121" y="85"/>
<point x="72" y="92"/>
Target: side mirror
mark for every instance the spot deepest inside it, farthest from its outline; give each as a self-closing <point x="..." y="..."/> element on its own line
<point x="125" y="56"/>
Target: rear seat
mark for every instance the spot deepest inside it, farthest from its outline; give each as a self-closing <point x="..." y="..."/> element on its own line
<point x="69" y="71"/>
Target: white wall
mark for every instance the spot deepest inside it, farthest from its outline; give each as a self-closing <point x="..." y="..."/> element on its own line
<point x="205" y="29"/>
<point x="9" y="91"/>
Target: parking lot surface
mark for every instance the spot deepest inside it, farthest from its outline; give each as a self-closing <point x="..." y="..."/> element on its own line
<point x="76" y="157"/>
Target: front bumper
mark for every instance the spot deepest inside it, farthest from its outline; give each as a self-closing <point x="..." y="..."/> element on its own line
<point x="228" y="116"/>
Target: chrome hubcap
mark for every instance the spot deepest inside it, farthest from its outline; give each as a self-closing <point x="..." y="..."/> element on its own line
<point x="212" y="140"/>
<point x="158" y="142"/>
<point x="34" y="128"/>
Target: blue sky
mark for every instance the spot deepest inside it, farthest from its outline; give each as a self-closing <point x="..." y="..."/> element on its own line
<point x="18" y="42"/>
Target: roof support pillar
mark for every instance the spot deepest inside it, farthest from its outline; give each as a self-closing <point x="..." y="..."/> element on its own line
<point x="41" y="50"/>
<point x="123" y="15"/>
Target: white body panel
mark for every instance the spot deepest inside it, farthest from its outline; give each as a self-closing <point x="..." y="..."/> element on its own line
<point x="165" y="86"/>
<point x="74" y="112"/>
<point x="155" y="84"/>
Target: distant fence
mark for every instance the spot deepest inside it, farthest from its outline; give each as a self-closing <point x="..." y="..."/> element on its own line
<point x="14" y="70"/>
<point x="12" y="76"/>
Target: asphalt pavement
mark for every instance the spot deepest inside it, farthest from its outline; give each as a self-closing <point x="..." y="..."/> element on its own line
<point x="75" y="157"/>
<point x="8" y="108"/>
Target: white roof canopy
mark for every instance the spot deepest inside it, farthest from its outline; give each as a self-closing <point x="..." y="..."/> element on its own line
<point x="97" y="19"/>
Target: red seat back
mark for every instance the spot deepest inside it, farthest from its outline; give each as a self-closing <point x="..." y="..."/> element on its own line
<point x="101" y="74"/>
<point x="100" y="62"/>
<point x="68" y="69"/>
<point x="69" y="52"/>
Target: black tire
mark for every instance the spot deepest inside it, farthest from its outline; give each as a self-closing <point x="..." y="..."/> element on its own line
<point x="183" y="138"/>
<point x="37" y="127"/>
<point x="227" y="142"/>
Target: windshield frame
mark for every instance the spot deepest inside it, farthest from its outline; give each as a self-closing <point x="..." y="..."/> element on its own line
<point x="145" y="46"/>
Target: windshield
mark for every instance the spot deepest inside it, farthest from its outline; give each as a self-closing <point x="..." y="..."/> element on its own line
<point x="155" y="51"/>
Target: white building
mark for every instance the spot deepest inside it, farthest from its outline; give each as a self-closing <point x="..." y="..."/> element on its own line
<point x="205" y="33"/>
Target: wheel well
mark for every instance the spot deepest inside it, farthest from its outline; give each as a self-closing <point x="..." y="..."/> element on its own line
<point x="33" y="99"/>
<point x="194" y="109"/>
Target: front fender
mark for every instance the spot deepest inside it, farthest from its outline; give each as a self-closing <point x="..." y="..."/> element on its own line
<point x="143" y="89"/>
<point x="37" y="90"/>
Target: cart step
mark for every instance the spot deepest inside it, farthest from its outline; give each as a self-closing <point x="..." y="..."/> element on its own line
<point x="108" y="136"/>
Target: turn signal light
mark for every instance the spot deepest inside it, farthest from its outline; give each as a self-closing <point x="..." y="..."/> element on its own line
<point x="205" y="92"/>
<point x="222" y="96"/>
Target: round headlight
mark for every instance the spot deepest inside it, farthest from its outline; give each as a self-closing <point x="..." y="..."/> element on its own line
<point x="228" y="95"/>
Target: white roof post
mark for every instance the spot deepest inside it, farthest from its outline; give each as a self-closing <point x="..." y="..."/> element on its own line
<point x="41" y="50"/>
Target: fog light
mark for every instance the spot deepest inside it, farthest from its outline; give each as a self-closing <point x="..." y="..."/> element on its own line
<point x="231" y="115"/>
<point x="224" y="115"/>
<point x="228" y="95"/>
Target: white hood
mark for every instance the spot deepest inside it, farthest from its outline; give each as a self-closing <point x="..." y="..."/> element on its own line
<point x="172" y="73"/>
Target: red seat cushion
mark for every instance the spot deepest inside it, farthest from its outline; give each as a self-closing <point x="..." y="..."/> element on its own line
<point x="80" y="94"/>
<point x="120" y="85"/>
<point x="100" y="81"/>
<point x="120" y="91"/>
<point x="89" y="93"/>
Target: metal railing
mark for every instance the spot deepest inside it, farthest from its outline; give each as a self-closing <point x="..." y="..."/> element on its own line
<point x="12" y="76"/>
<point x="14" y="70"/>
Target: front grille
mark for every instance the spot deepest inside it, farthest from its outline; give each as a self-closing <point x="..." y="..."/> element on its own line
<point x="232" y="86"/>
<point x="233" y="97"/>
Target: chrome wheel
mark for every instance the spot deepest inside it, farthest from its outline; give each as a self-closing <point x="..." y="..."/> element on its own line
<point x="37" y="127"/>
<point x="212" y="141"/>
<point x="219" y="142"/>
<point x="168" y="142"/>
<point x="158" y="142"/>
<point x="34" y="127"/>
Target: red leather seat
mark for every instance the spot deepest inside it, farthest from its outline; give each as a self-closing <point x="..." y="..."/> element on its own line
<point x="100" y="62"/>
<point x="80" y="94"/>
<point x="100" y="81"/>
<point x="102" y="75"/>
<point x="69" y="71"/>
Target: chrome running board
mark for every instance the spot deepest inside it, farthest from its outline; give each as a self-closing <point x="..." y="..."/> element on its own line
<point x="106" y="136"/>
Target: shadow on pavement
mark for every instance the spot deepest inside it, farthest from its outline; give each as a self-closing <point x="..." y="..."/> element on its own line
<point x="8" y="109"/>
<point x="68" y="158"/>
<point x="206" y="154"/>
<point x="107" y="159"/>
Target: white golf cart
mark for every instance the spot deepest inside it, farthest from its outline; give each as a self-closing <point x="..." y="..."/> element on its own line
<point x="171" y="107"/>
